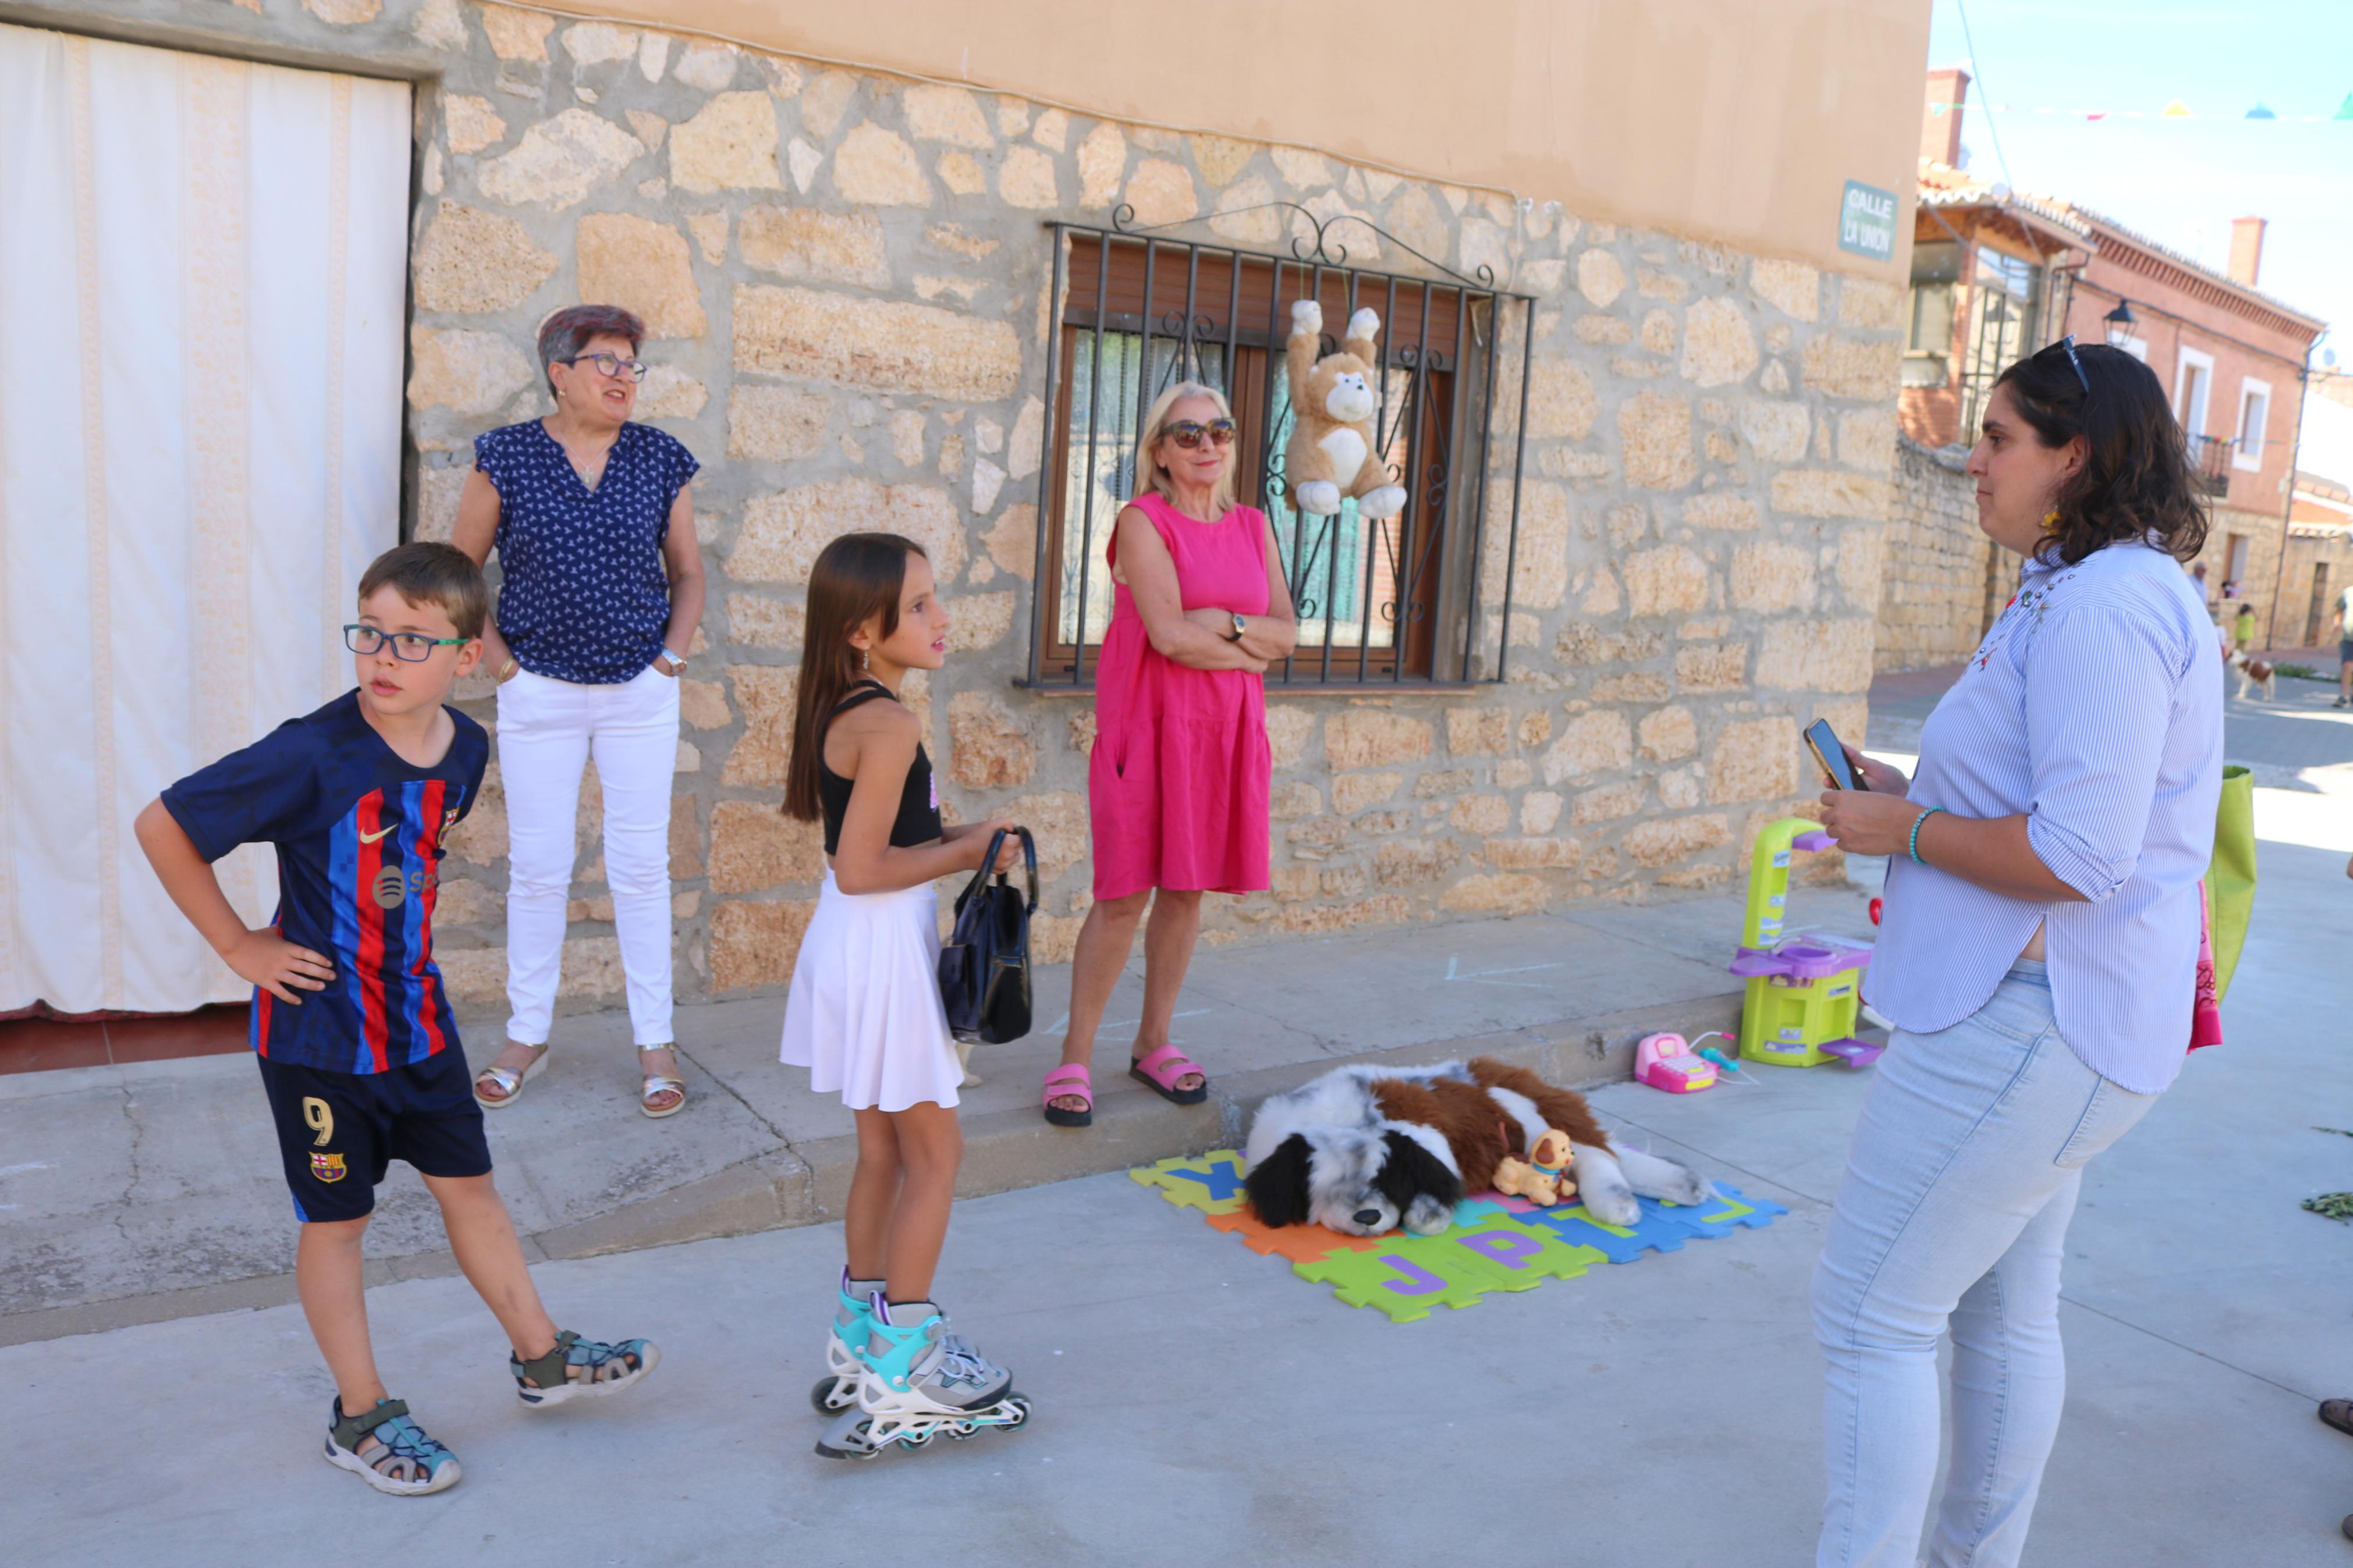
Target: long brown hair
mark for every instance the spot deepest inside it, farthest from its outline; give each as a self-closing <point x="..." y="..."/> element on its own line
<point x="856" y="578"/>
<point x="2136" y="480"/>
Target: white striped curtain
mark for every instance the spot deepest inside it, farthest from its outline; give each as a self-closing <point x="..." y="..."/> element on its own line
<point x="202" y="281"/>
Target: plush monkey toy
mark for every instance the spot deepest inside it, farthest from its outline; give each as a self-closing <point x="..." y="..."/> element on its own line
<point x="1330" y="456"/>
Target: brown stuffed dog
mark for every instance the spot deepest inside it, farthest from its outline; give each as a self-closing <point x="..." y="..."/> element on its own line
<point x="1331" y="456"/>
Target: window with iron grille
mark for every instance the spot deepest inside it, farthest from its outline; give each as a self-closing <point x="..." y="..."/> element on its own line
<point x="1421" y="598"/>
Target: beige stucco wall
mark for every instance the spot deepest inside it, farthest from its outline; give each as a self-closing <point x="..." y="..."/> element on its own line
<point x="1735" y="123"/>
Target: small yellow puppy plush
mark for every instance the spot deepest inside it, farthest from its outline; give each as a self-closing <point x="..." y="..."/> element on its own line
<point x="1330" y="456"/>
<point x="1543" y="1179"/>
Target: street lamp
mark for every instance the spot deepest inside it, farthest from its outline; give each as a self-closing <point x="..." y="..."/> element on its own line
<point x="2120" y="323"/>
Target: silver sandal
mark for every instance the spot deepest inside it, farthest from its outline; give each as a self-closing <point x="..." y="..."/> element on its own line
<point x="509" y="1082"/>
<point x="658" y="1082"/>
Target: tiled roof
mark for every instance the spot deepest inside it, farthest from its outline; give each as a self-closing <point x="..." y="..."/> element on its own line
<point x="1943" y="186"/>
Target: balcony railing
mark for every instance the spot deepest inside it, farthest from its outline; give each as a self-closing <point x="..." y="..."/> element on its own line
<point x="2210" y="461"/>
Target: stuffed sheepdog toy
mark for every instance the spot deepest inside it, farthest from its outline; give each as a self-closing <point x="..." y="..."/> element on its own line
<point x="1362" y="1150"/>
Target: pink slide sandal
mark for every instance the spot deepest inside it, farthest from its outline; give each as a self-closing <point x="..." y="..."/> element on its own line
<point x="1070" y="1079"/>
<point x="1163" y="1067"/>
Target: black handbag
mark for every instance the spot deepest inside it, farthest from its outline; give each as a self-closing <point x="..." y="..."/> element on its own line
<point x="985" y="963"/>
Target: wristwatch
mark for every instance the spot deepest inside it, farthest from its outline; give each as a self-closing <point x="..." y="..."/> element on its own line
<point x="1240" y="625"/>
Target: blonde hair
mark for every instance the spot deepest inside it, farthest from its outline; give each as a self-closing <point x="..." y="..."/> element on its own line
<point x="1150" y="476"/>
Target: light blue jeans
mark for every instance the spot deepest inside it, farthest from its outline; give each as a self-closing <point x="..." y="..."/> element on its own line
<point x="1952" y="1213"/>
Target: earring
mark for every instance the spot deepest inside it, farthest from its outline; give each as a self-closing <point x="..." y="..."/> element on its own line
<point x="865" y="662"/>
<point x="2051" y="521"/>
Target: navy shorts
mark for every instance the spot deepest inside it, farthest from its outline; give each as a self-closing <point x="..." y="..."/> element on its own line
<point x="338" y="1131"/>
<point x="2345" y="650"/>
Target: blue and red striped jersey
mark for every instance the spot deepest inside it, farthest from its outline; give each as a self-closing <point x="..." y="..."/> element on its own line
<point x="360" y="834"/>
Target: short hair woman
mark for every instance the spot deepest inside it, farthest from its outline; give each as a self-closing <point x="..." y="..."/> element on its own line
<point x="2039" y="959"/>
<point x="601" y="591"/>
<point x="1178" y="782"/>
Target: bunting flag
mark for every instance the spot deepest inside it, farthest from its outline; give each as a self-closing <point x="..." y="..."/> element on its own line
<point x="2174" y="110"/>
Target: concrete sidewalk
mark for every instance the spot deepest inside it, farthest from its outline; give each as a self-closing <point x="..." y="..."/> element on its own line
<point x="133" y="1193"/>
<point x="1199" y="1405"/>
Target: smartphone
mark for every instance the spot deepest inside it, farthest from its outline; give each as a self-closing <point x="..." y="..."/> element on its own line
<point x="1824" y="744"/>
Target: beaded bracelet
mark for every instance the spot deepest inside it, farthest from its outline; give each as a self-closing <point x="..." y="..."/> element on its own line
<point x="1914" y="845"/>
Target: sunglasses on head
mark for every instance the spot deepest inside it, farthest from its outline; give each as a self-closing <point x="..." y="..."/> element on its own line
<point x="1188" y="433"/>
<point x="2068" y="344"/>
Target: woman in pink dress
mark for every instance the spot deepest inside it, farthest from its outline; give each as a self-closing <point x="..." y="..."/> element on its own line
<point x="1176" y="786"/>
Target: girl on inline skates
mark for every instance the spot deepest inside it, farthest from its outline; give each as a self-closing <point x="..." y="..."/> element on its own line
<point x="864" y="1014"/>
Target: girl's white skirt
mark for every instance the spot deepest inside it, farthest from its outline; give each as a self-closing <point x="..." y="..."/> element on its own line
<point x="864" y="1014"/>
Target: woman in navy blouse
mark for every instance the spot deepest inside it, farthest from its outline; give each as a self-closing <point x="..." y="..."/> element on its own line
<point x="602" y="588"/>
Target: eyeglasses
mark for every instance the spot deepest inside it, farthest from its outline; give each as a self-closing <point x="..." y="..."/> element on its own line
<point x="409" y="647"/>
<point x="610" y="364"/>
<point x="2068" y="343"/>
<point x="1188" y="433"/>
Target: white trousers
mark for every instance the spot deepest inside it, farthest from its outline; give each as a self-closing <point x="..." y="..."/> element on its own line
<point x="548" y="731"/>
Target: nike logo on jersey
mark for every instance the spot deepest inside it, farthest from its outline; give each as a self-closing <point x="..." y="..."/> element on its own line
<point x="372" y="837"/>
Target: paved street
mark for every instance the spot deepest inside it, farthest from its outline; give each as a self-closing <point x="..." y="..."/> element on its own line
<point x="1198" y="1403"/>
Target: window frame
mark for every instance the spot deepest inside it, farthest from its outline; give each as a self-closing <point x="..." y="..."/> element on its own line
<point x="1451" y="639"/>
<point x="2185" y="360"/>
<point x="2241" y="457"/>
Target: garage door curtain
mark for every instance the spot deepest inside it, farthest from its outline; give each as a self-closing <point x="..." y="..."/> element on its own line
<point x="201" y="291"/>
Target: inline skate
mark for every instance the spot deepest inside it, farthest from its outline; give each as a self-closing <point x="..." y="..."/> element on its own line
<point x="852" y="1317"/>
<point x="915" y="1381"/>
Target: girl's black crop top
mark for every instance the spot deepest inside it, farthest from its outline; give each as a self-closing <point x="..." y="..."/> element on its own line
<point x="919" y="802"/>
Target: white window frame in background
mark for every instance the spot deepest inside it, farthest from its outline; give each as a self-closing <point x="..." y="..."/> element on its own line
<point x="2183" y="362"/>
<point x="2241" y="457"/>
<point x="2137" y="348"/>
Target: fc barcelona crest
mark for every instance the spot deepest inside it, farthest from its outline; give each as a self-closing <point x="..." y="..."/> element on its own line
<point x="327" y="1167"/>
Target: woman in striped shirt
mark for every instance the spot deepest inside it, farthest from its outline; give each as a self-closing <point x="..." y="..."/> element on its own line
<point x="2039" y="959"/>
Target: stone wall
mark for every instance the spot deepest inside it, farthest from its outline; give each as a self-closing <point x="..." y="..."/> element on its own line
<point x="2259" y="582"/>
<point x="1933" y="594"/>
<point x="846" y="279"/>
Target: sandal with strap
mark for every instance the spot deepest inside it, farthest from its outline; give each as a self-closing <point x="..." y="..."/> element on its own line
<point x="1160" y="1070"/>
<point x="390" y="1452"/>
<point x="577" y="1368"/>
<point x="1070" y="1079"/>
<point x="658" y="1082"/>
<point x="508" y="1081"/>
<point x="2338" y="1413"/>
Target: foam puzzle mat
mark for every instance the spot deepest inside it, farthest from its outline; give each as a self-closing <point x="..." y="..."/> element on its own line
<point x="1496" y="1242"/>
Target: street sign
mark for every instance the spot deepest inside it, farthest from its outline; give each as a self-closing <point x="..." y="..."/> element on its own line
<point x="1867" y="221"/>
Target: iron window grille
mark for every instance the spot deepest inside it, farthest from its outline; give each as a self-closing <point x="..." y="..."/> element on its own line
<point x="1420" y="599"/>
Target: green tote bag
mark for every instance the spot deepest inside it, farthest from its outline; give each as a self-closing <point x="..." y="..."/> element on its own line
<point x="2231" y="877"/>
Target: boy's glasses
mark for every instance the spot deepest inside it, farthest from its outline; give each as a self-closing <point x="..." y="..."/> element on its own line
<point x="610" y="364"/>
<point x="1189" y="434"/>
<point x="409" y="647"/>
<point x="2068" y="344"/>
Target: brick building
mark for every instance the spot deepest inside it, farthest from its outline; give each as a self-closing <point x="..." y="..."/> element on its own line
<point x="1996" y="274"/>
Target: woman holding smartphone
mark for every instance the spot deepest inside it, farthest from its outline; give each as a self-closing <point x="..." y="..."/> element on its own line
<point x="2039" y="959"/>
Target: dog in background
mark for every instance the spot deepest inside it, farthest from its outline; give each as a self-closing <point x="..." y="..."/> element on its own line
<point x="1365" y="1149"/>
<point x="2252" y="673"/>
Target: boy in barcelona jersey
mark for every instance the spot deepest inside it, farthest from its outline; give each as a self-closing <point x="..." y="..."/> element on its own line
<point x="358" y="1054"/>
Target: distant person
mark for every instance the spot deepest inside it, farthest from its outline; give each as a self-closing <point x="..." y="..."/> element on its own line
<point x="2344" y="647"/>
<point x="2242" y="631"/>
<point x="600" y="594"/>
<point x="352" y="1030"/>
<point x="2205" y="593"/>
<point x="1179" y="782"/>
<point x="2039" y="960"/>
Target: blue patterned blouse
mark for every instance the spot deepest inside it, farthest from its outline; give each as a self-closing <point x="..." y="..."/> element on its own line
<point x="584" y="596"/>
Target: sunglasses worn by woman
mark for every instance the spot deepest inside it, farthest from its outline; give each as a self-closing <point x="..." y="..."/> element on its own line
<point x="1189" y="434"/>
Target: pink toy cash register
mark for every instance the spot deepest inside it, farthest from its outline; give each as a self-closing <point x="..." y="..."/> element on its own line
<point x="1665" y="1061"/>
